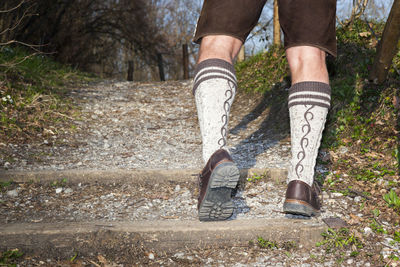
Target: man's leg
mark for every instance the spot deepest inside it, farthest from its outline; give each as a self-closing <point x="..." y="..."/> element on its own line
<point x="307" y="63"/>
<point x="222" y="27"/>
<point x="309" y="101"/>
<point x="214" y="90"/>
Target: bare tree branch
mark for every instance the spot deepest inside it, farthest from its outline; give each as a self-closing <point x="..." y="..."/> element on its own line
<point x="18" y="23"/>
<point x="14" y="8"/>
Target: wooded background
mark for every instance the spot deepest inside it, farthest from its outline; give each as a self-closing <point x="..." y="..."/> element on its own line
<point x="110" y="37"/>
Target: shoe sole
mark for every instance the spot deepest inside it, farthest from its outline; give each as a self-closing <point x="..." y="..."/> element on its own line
<point x="217" y="204"/>
<point x="297" y="207"/>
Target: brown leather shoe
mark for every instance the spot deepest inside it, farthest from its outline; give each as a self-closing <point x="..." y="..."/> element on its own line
<point x="302" y="199"/>
<point x="217" y="181"/>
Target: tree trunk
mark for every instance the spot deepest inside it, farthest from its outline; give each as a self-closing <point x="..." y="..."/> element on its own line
<point x="277" y="26"/>
<point x="160" y="67"/>
<point x="130" y="70"/>
<point x="185" y="56"/>
<point x="387" y="46"/>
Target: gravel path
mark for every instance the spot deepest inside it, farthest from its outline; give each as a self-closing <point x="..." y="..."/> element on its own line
<point x="128" y="125"/>
<point x="84" y="202"/>
<point x="65" y="202"/>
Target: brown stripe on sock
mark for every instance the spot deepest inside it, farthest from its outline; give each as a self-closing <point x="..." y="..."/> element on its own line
<point x="311" y="103"/>
<point x="310" y="87"/>
<point x="214" y="62"/>
<point x="209" y="70"/>
<point x="209" y="78"/>
<point x="324" y="98"/>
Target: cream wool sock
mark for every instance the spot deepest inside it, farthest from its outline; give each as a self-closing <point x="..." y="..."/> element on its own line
<point x="214" y="90"/>
<point x="308" y="107"/>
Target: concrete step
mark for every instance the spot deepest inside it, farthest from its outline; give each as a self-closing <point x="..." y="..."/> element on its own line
<point x="129" y="176"/>
<point x="63" y="238"/>
<point x="109" y="212"/>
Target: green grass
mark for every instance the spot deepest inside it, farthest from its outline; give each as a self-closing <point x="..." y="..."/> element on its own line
<point x="9" y="257"/>
<point x="392" y="200"/>
<point x="264" y="243"/>
<point x="5" y="185"/>
<point x="256" y="177"/>
<point x="270" y="244"/>
<point x="257" y="75"/>
<point x="376" y="227"/>
<point x="335" y="240"/>
<point x="59" y="183"/>
<point x="33" y="94"/>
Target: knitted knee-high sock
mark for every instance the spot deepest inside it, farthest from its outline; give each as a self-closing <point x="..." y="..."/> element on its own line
<point x="214" y="90"/>
<point x="308" y="107"/>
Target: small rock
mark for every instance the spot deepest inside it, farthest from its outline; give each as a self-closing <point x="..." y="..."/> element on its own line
<point x="209" y="260"/>
<point x="337" y="194"/>
<point x="389" y="241"/>
<point x="59" y="190"/>
<point x="7" y="165"/>
<point x="383" y="182"/>
<point x="172" y="142"/>
<point x="68" y="191"/>
<point x="386" y="252"/>
<point x="350" y="261"/>
<point x="106" y="145"/>
<point x="79" y="163"/>
<point x="151" y="256"/>
<point x="357" y="199"/>
<point x="177" y="188"/>
<point x="179" y="255"/>
<point x="12" y="193"/>
<point x="343" y="150"/>
<point x="367" y="231"/>
<point x="45" y="142"/>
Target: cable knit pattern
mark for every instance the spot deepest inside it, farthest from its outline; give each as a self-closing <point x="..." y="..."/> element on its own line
<point x="308" y="107"/>
<point x="214" y="90"/>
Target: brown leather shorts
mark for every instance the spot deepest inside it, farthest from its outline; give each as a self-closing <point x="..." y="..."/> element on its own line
<point x="303" y="22"/>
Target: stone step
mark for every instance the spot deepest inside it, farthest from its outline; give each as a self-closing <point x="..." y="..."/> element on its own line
<point x="65" y="238"/>
<point x="129" y="176"/>
<point x="107" y="211"/>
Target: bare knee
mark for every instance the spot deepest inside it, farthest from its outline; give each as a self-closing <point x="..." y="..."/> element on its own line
<point x="307" y="63"/>
<point x="219" y="46"/>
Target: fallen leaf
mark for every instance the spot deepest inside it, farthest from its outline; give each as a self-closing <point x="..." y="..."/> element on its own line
<point x="359" y="235"/>
<point x="364" y="34"/>
<point x="102" y="259"/>
<point x="396" y="102"/>
<point x="335" y="222"/>
<point x="354" y="219"/>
